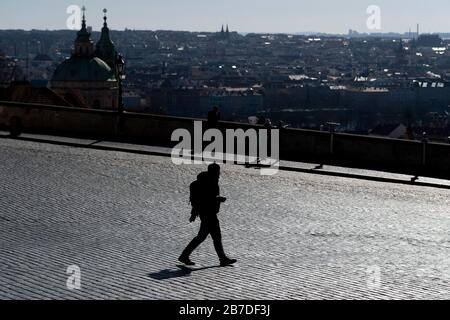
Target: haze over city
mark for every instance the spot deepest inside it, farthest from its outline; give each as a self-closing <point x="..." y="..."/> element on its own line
<point x="285" y="16"/>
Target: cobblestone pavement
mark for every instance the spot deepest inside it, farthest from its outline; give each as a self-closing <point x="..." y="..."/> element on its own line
<point x="123" y="219"/>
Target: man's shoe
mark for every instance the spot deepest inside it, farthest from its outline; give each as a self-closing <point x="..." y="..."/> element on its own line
<point x="227" y="262"/>
<point x="186" y="261"/>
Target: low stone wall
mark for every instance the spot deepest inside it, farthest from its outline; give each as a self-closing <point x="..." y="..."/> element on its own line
<point x="296" y="145"/>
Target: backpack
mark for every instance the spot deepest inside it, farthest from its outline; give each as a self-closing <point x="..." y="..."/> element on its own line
<point x="197" y="193"/>
<point x="194" y="197"/>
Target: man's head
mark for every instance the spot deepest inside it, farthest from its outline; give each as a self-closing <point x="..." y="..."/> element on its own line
<point x="214" y="170"/>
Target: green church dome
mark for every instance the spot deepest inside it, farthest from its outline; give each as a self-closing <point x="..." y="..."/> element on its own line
<point x="83" y="69"/>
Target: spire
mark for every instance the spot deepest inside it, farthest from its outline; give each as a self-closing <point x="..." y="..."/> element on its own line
<point x="84" y="18"/>
<point x="400" y="46"/>
<point x="105" y="29"/>
<point x="223" y="30"/>
<point x="83" y="44"/>
<point x="228" y="29"/>
<point x="83" y="34"/>
<point x="105" y="24"/>
<point x="105" y="48"/>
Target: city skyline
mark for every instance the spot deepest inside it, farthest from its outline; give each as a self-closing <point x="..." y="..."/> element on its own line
<point x="286" y="16"/>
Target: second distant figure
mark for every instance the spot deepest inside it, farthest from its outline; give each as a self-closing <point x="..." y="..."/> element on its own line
<point x="206" y="200"/>
<point x="213" y="117"/>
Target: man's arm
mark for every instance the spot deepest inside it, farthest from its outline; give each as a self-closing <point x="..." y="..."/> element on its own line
<point x="218" y="197"/>
<point x="221" y="199"/>
<point x="194" y="215"/>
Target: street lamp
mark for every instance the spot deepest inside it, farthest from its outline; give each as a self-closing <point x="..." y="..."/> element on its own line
<point x="120" y="64"/>
<point x="332" y="127"/>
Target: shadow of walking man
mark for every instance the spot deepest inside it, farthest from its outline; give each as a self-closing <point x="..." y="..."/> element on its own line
<point x="182" y="272"/>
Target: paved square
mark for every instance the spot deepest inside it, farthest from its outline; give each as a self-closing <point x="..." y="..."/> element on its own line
<point x="123" y="219"/>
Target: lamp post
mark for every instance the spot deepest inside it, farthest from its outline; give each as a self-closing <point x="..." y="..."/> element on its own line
<point x="425" y="142"/>
<point x="120" y="64"/>
<point x="332" y="127"/>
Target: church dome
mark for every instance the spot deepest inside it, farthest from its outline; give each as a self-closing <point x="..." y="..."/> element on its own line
<point x="83" y="69"/>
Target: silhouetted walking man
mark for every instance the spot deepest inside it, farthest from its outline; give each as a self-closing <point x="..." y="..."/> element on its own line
<point x="206" y="200"/>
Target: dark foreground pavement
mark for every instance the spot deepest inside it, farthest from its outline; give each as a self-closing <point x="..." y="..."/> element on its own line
<point x="123" y="219"/>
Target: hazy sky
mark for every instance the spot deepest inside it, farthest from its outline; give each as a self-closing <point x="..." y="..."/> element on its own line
<point x="243" y="15"/>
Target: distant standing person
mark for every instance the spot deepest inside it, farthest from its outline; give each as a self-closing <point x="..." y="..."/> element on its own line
<point x="206" y="201"/>
<point x="214" y="117"/>
<point x="268" y="124"/>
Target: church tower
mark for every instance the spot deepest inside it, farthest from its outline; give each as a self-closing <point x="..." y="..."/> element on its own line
<point x="84" y="46"/>
<point x="85" y="80"/>
<point x="105" y="48"/>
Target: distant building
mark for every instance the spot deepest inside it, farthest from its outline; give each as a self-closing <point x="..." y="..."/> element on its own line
<point x="224" y="33"/>
<point x="25" y="92"/>
<point x="429" y="40"/>
<point x="40" y="69"/>
<point x="42" y="59"/>
<point x="85" y="79"/>
<point x="7" y="71"/>
<point x="234" y="103"/>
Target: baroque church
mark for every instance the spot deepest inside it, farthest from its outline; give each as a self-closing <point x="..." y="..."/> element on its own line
<point x="89" y="77"/>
